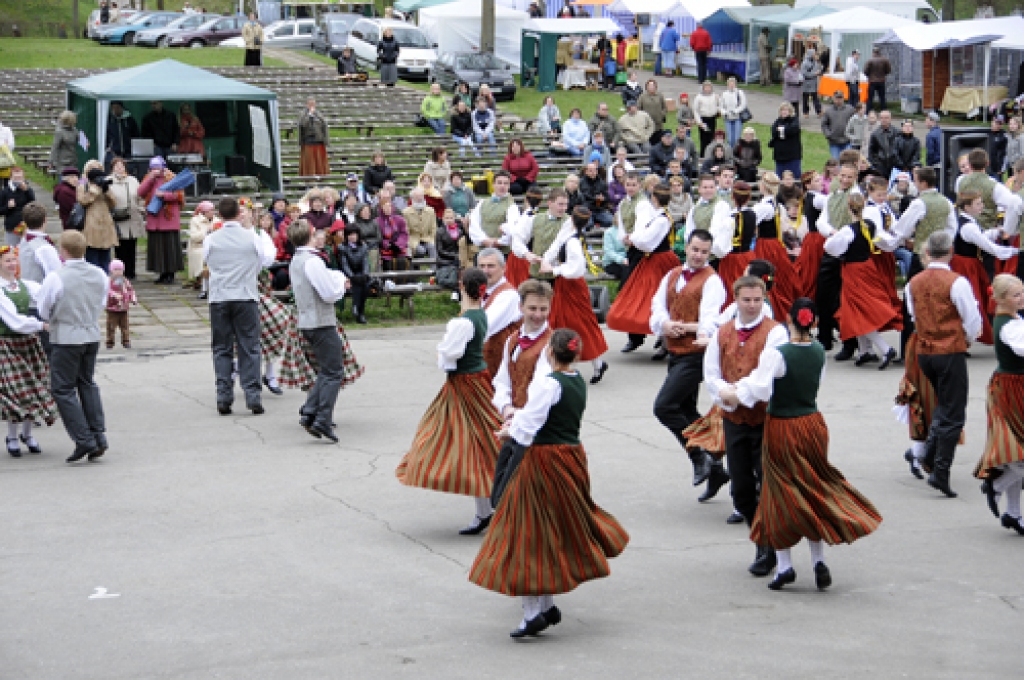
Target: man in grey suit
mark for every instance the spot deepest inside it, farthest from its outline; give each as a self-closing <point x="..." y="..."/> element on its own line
<point x="72" y="300"/>
<point x="234" y="254"/>
<point x="316" y="289"/>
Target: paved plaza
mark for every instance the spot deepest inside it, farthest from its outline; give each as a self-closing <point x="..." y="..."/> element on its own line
<point x="205" y="547"/>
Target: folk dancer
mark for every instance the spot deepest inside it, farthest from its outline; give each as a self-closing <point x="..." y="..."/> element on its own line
<point x="501" y="304"/>
<point x="492" y="222"/>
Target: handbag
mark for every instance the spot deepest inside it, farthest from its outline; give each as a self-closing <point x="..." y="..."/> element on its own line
<point x="447" y="277"/>
<point x="123" y="214"/>
<point x="374" y="287"/>
<point x="621" y="78"/>
<point x="76" y="219"/>
<point x="745" y="115"/>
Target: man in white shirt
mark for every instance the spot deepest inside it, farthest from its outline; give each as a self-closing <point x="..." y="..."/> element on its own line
<point x="37" y="258"/>
<point x="500" y="303"/>
<point x="316" y="289"/>
<point x="234" y="254"/>
<point x="709" y="209"/>
<point x="852" y="73"/>
<point x="492" y="221"/>
<point x="523" y="357"/>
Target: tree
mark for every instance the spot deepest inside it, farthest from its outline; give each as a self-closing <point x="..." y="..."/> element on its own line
<point x="948" y="11"/>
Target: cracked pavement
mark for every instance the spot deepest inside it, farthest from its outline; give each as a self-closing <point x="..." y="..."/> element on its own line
<point x="241" y="547"/>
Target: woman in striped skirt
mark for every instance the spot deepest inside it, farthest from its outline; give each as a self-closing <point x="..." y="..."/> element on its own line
<point x="454" y="449"/>
<point x="548" y="536"/>
<point x="1002" y="463"/>
<point x="802" y="495"/>
<point x="25" y="397"/>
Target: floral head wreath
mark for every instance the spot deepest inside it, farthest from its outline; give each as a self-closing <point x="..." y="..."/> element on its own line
<point x="8" y="249"/>
<point x="805" y="317"/>
<point x="767" y="278"/>
<point x="21" y="229"/>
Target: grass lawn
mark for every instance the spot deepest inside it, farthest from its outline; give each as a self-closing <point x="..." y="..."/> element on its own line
<point x="47" y="53"/>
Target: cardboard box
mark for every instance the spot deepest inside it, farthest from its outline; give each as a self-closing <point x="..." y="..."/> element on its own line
<point x="670" y="104"/>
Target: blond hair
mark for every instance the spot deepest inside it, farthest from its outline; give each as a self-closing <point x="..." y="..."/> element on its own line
<point x="1003" y="284"/>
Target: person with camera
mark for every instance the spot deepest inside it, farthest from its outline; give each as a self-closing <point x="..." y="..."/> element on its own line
<point x="94" y="194"/>
<point x="14" y="196"/>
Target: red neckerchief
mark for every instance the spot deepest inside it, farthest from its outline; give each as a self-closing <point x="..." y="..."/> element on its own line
<point x="688" y="274"/>
<point x="29" y="236"/>
<point x="526" y="343"/>
<point x="744" y="333"/>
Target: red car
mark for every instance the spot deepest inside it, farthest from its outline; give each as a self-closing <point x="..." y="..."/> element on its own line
<point x="213" y="32"/>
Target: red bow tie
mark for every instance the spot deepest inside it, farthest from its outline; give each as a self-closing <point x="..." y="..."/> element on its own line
<point x="745" y="333"/>
<point x="526" y="343"/>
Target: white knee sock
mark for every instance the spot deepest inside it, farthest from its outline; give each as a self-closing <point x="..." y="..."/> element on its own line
<point x="483" y="507"/>
<point x="1013" y="499"/>
<point x="12" y="430"/>
<point x="205" y="285"/>
<point x="547" y="602"/>
<point x="596" y="363"/>
<point x="917" y="449"/>
<point x="875" y="338"/>
<point x="531" y="607"/>
<point x="784" y="559"/>
<point x="268" y="371"/>
<point x="26" y="428"/>
<point x="817" y="551"/>
<point x="863" y="344"/>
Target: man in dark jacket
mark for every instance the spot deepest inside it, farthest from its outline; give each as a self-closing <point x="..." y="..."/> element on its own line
<point x="907" y="151"/>
<point x="999" y="144"/>
<point x="877" y="70"/>
<point x="16" y="193"/>
<point x="833" y="124"/>
<point x="603" y="121"/>
<point x="662" y="153"/>
<point x="161" y="126"/>
<point x="595" y="193"/>
<point x="121" y="130"/>
<point x="882" y="146"/>
<point x="933" y="140"/>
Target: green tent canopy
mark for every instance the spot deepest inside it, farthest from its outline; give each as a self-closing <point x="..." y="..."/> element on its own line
<point x="413" y="5"/>
<point x="240" y="119"/>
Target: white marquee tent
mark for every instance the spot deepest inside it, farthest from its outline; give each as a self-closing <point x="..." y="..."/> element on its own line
<point x="908" y="9"/>
<point x="850" y="29"/>
<point x="697" y="9"/>
<point x="455" y="27"/>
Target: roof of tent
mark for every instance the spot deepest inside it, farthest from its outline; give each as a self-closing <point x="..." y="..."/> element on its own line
<point x="413" y="5"/>
<point x="167" y="79"/>
<point x="1004" y="32"/>
<point x="857" y="20"/>
<point x="572" y="26"/>
<point x="468" y="8"/>
<point x="743" y="15"/>
<point x="698" y="9"/>
<point x="787" y="17"/>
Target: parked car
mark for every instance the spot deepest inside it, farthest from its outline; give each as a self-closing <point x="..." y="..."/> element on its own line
<point x="475" y="68"/>
<point x="213" y="32"/>
<point x="295" y="34"/>
<point x="331" y="34"/>
<point x="125" y="34"/>
<point x="415" y="57"/>
<point x="160" y="37"/>
<point x="93" y="24"/>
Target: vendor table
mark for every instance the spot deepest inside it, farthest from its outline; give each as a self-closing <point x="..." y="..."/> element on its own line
<point x="829" y="83"/>
<point x="966" y="99"/>
<point x="572" y="77"/>
<point x="735" y="64"/>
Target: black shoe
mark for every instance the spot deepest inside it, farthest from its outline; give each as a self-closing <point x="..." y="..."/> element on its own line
<point x="101" y="447"/>
<point x="478" y="528"/>
<point x="701" y="467"/>
<point x="940" y="481"/>
<point x="257" y="409"/>
<point x="887" y="359"/>
<point x="898" y="361"/>
<point x="866" y="358"/>
<point x="599" y="373"/>
<point x="822" y="576"/>
<point x="719" y="478"/>
<point x="13" y="447"/>
<point x="735" y="518"/>
<point x="659" y="355"/>
<point x="325" y="431"/>
<point x="203" y="295"/>
<point x="224" y="409"/>
<point x="361" y="319"/>
<point x="659" y="343"/>
<point x="275" y="388"/>
<point x="908" y="456"/>
<point x="307" y="423"/>
<point x="763" y="563"/>
<point x="531" y="627"/>
<point x="553" y="616"/>
<point x="81" y="452"/>
<point x="991" y="496"/>
<point x="1012" y="523"/>
<point x="782" y="579"/>
<point x="845" y="354"/>
<point x="631" y="346"/>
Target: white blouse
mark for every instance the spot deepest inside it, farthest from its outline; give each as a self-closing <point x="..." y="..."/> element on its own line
<point x="575" y="266"/>
<point x="1012" y="336"/>
<point x="9" y="313"/>
<point x="452" y="347"/>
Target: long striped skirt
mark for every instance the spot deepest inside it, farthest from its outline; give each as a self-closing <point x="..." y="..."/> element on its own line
<point x="517" y="269"/>
<point x="275" y="319"/>
<point x="571" y="308"/>
<point x="25" y="381"/>
<point x="454" y="450"/>
<point x="802" y="495"/>
<point x="299" y="365"/>
<point x="547" y="535"/>
<point x="916" y="393"/>
<point x="707" y="433"/>
<point x="1004" y="442"/>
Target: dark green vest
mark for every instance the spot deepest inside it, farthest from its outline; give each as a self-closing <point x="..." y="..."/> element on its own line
<point x="565" y="416"/>
<point x="1009" y="361"/>
<point x="473" y="360"/>
<point x="796" y="393"/>
<point x="21" y="300"/>
<point x="544" y="232"/>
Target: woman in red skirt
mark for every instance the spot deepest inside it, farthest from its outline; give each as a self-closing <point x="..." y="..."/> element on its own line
<point x="1002" y="462"/>
<point x="802" y="494"/>
<point x="812" y="245"/>
<point x="571" y="308"/>
<point x="548" y="536"/>
<point x="770" y="246"/>
<point x="866" y="309"/>
<point x="454" y="449"/>
<point x="734" y="236"/>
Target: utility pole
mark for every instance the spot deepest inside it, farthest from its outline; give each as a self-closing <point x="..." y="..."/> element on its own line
<point x="487" y="26"/>
<point x="74" y="20"/>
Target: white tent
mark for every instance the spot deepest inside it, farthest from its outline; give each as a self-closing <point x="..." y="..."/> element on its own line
<point x="851" y="29"/>
<point x="1004" y="33"/>
<point x="698" y="9"/>
<point x="455" y="27"/>
<point x="908" y="9"/>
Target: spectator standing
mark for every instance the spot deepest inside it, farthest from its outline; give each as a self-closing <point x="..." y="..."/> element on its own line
<point x="877" y="70"/>
<point x="785" y="141"/>
<point x="656" y="47"/>
<point x="104" y="12"/>
<point x="632" y="90"/>
<point x="64" y="149"/>
<point x="313" y="140"/>
<point x="439" y="169"/>
<point x="199" y="227"/>
<point x="549" y="119"/>
<point x="128" y="215"/>
<point x="521" y="166"/>
<point x="252" y="34"/>
<point x="635" y="129"/>
<point x="810" y="71"/>
<point x="575" y="133"/>
<point x="747" y="156"/>
<point x="192" y="133"/>
<point x="792" y="84"/>
<point x="163" y="228"/>
<point x="115" y="13"/>
<point x="852" y="75"/>
<point x="857" y="129"/>
<point x="121" y="130"/>
<point x="882" y="146"/>
<point x="706" y="108"/>
<point x="1014" y="144"/>
<point x="764" y="56"/>
<point x="95" y="196"/>
<point x="603" y="121"/>
<point x="701" y="44"/>
<point x="433" y="108"/>
<point x="394" y="239"/>
<point x="652" y="103"/>
<point x="387" y="55"/>
<point x="14" y="196"/>
<point x="733" y="102"/>
<point x="462" y="127"/>
<point x="999" y="143"/>
<point x="620" y="51"/>
<point x="120" y="298"/>
<point x="933" y="140"/>
<point x="483" y="124"/>
<point x="907" y="151"/>
<point x="65" y="194"/>
<point x="669" y="44"/>
<point x="834" y="124"/>
<point x="161" y="126"/>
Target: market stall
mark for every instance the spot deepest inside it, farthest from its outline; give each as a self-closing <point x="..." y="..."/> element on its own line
<point x="735" y="43"/>
<point x="845" y="31"/>
<point x="540" y="44"/>
<point x="778" y="35"/>
<point x="455" y="27"/>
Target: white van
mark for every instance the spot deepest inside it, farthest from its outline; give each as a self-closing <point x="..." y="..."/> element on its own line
<point x="416" y="54"/>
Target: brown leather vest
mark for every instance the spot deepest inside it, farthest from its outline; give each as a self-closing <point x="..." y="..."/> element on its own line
<point x="940" y="330"/>
<point x="738" y="361"/>
<point x="521" y="369"/>
<point x="685" y="306"/>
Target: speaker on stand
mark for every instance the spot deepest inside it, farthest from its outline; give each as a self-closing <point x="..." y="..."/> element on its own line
<point x="957" y="141"/>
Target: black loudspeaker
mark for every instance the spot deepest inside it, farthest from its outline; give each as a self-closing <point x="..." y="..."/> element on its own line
<point x="955" y="142"/>
<point x="204" y="183"/>
<point x="235" y="166"/>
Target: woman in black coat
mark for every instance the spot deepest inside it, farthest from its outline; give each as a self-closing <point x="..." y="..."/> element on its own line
<point x="785" y="141"/>
<point x="907" y="150"/>
<point x="376" y="173"/>
<point x="747" y="155"/>
<point x="354" y="261"/>
<point x="449" y="232"/>
<point x="387" y="55"/>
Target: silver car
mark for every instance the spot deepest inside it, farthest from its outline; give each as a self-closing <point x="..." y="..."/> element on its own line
<point x="296" y="34"/>
<point x="160" y="37"/>
<point x="93" y="24"/>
